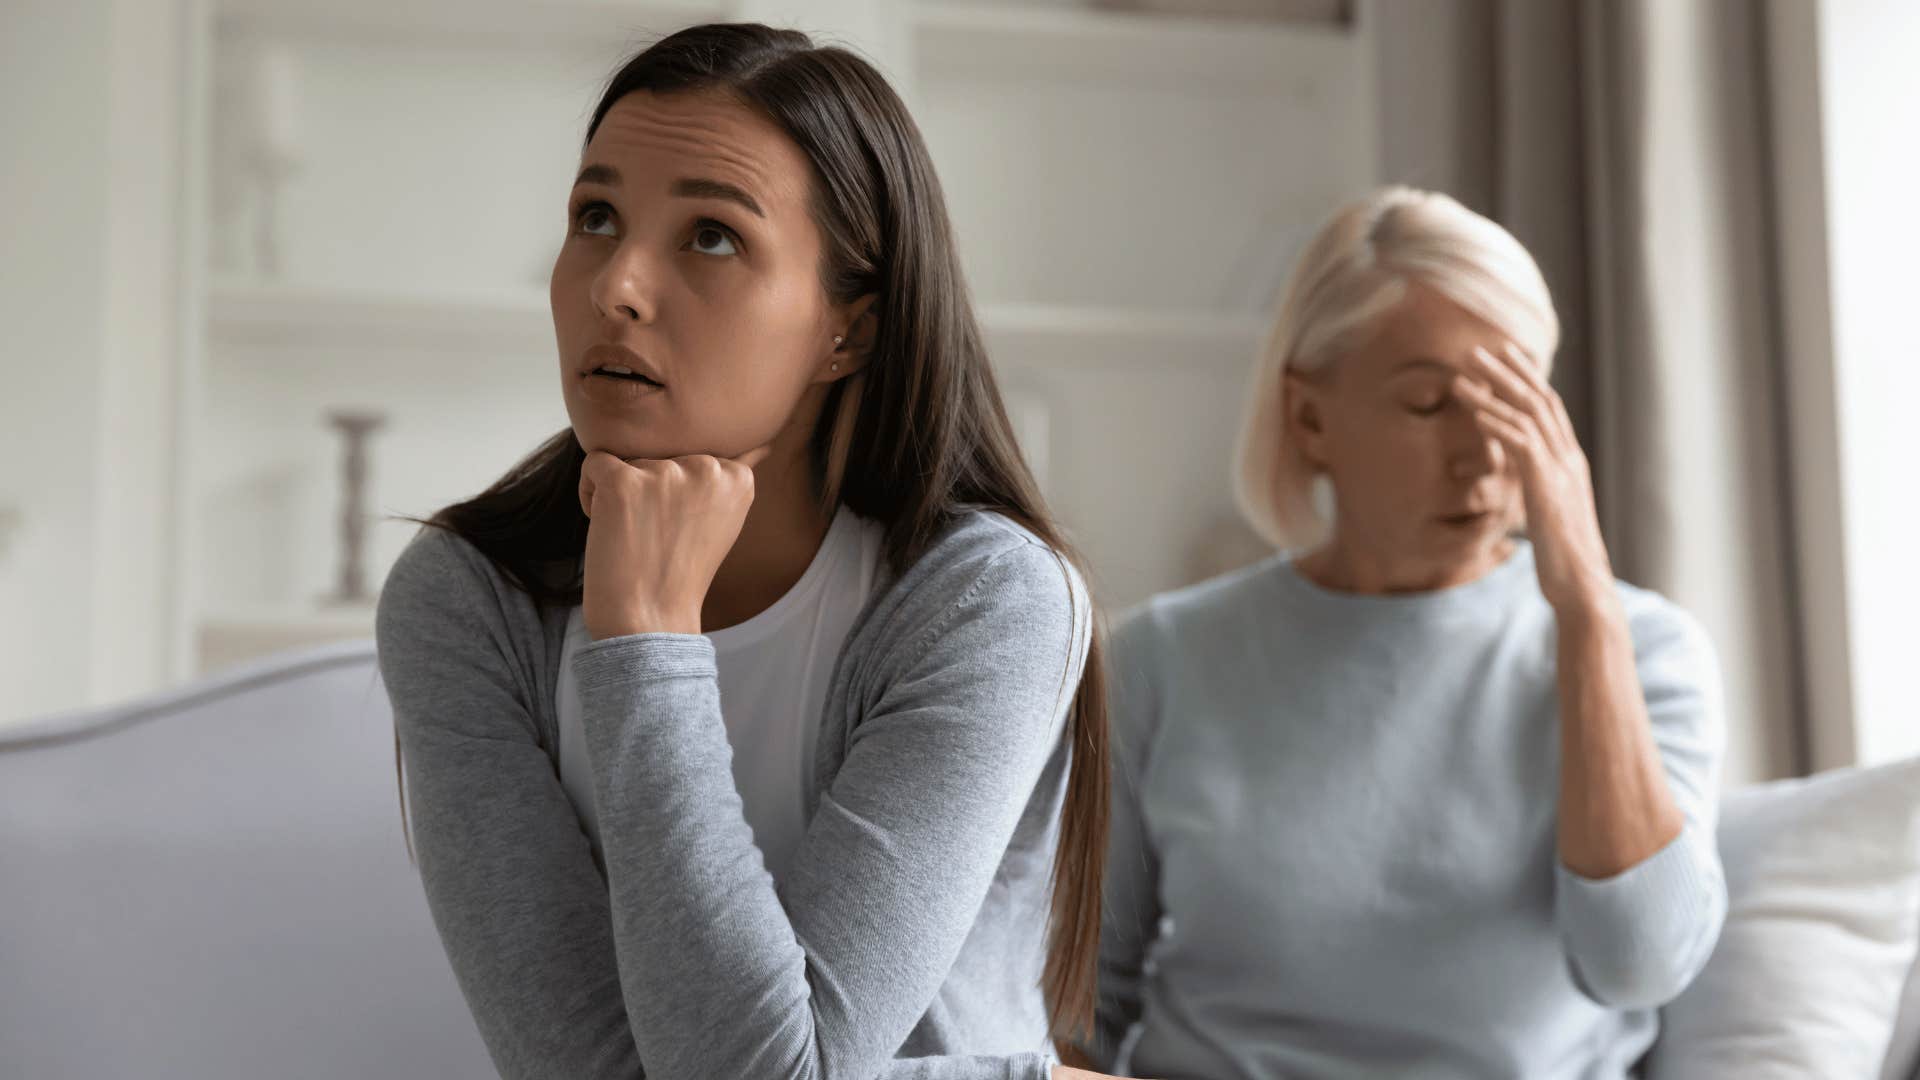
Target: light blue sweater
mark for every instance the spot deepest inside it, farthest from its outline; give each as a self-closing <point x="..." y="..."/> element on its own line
<point x="1333" y="845"/>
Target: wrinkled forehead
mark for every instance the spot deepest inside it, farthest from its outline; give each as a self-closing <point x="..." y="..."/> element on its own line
<point x="655" y="140"/>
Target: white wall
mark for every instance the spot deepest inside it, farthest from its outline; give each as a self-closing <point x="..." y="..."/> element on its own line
<point x="133" y="542"/>
<point x="54" y="218"/>
<point x="1436" y="96"/>
<point x="88" y="114"/>
<point x="1870" y="122"/>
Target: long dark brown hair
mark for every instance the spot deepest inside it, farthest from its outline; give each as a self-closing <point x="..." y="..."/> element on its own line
<point x="915" y="438"/>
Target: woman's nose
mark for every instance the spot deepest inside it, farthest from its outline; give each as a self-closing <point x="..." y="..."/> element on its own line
<point x="623" y="290"/>
<point x="1476" y="454"/>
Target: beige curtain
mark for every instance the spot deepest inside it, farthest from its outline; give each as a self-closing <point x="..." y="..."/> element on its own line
<point x="1626" y="143"/>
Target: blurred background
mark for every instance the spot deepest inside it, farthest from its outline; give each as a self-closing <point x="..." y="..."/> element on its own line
<point x="274" y="271"/>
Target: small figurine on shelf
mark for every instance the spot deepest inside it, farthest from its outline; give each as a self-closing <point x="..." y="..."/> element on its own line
<point x="356" y="426"/>
<point x="255" y="103"/>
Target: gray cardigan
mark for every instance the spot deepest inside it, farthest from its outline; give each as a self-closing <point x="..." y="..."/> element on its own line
<point x="910" y="929"/>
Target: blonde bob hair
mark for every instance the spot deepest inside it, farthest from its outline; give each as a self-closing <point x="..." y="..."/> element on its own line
<point x="1356" y="269"/>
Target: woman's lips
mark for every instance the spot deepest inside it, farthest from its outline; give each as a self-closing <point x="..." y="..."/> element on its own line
<point x="617" y="390"/>
<point x="609" y="356"/>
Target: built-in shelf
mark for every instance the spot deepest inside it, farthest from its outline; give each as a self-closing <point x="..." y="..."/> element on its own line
<point x="225" y="638"/>
<point x="967" y="35"/>
<point x="332" y="317"/>
<point x="342" y="619"/>
<point x="1210" y="328"/>
<point x="510" y="320"/>
<point x="509" y="22"/>
<point x="1257" y="55"/>
<point x="1096" y="386"/>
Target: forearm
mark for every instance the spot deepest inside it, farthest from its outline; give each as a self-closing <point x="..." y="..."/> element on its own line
<point x="1616" y="808"/>
<point x="678" y="851"/>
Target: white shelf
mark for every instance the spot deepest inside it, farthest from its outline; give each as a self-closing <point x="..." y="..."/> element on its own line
<point x="1050" y="335"/>
<point x="322" y="317"/>
<point x="511" y="320"/>
<point x="1071" y="321"/>
<point x="1254" y="55"/>
<point x="509" y="22"/>
<point x="345" y="619"/>
<point x="223" y="639"/>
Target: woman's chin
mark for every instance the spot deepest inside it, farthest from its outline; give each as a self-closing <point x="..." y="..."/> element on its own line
<point x="627" y="445"/>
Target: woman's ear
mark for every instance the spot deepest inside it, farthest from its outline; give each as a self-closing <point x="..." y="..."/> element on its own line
<point x="853" y="342"/>
<point x="1305" y="417"/>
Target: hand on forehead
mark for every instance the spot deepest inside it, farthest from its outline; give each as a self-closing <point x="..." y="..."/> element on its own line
<point x="1427" y="332"/>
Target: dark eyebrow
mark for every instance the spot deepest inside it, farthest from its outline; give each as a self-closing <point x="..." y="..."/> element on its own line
<point x="598" y="174"/>
<point x="691" y="188"/>
<point x="701" y="188"/>
<point x="1421" y="362"/>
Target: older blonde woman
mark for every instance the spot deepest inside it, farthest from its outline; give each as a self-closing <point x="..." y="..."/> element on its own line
<point x="1420" y="795"/>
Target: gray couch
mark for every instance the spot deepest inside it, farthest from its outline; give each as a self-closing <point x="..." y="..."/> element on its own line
<point x="213" y="884"/>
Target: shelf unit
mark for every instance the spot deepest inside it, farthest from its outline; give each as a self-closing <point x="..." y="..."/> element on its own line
<point x="455" y="21"/>
<point x="269" y="316"/>
<point x="1131" y="374"/>
<point x="1111" y="45"/>
<point x="224" y="638"/>
<point x="1081" y="39"/>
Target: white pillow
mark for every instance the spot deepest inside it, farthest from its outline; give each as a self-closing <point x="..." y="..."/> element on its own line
<point x="1823" y="884"/>
<point x="1903" y="1057"/>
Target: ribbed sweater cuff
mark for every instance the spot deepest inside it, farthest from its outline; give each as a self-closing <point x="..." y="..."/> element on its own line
<point x="1029" y="1067"/>
<point x="1643" y="932"/>
<point x="634" y="658"/>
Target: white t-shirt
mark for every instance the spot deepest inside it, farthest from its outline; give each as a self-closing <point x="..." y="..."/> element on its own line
<point x="774" y="672"/>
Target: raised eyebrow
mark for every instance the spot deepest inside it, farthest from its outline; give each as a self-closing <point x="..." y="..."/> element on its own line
<point x="598" y="174"/>
<point x="690" y="187"/>
<point x="703" y="188"/>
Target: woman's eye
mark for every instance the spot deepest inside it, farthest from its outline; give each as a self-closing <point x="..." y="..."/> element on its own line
<point x="592" y="217"/>
<point x="713" y="238"/>
<point x="1427" y="407"/>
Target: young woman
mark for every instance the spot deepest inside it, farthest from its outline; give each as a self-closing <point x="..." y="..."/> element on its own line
<point x="744" y="722"/>
<point x="1418" y="797"/>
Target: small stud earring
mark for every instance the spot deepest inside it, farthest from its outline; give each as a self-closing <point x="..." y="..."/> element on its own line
<point x="836" y="365"/>
<point x="837" y="339"/>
